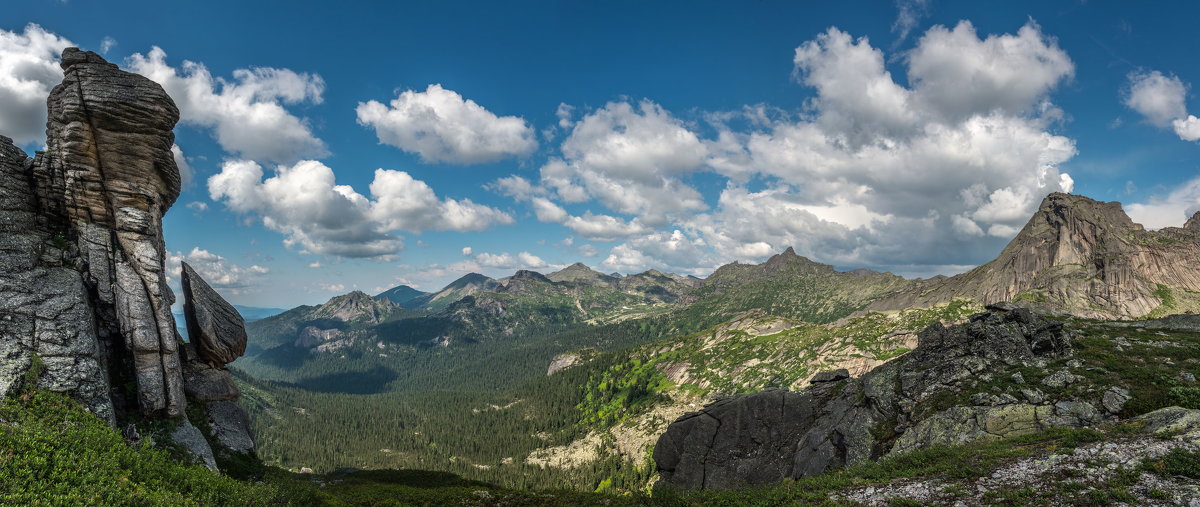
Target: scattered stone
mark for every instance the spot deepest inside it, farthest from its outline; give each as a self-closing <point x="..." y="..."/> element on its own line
<point x="1074" y="363"/>
<point x="1017" y="378"/>
<point x="1034" y="396"/>
<point x="1060" y="379"/>
<point x="830" y="376"/>
<point x="1187" y="377"/>
<point x="1114" y="399"/>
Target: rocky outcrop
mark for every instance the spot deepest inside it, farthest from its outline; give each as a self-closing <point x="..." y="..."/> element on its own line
<point x="773" y="435"/>
<point x="1078" y="255"/>
<point x="213" y="325"/>
<point x="218" y="337"/>
<point x="84" y="301"/>
<point x="86" y="215"/>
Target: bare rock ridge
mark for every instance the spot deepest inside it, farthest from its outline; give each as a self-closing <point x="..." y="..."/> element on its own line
<point x="769" y="436"/>
<point x="1079" y="255"/>
<point x="84" y="304"/>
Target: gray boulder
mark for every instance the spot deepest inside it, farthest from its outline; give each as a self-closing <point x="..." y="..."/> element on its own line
<point x="190" y="438"/>
<point x="213" y="325"/>
<point x="230" y="426"/>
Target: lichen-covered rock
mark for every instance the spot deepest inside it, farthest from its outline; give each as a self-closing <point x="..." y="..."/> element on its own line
<point x="1180" y="422"/>
<point x="1114" y="399"/>
<point x="765" y="437"/>
<point x="214" y="326"/>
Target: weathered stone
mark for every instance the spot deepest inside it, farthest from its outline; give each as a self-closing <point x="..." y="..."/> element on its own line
<point x="772" y="435"/>
<point x="830" y="376"/>
<point x="81" y="256"/>
<point x="1060" y="379"/>
<point x="1114" y="399"/>
<point x="1180" y="422"/>
<point x="230" y="426"/>
<point x="1074" y="414"/>
<point x="1035" y="396"/>
<point x="213" y="325"/>
<point x="190" y="438"/>
<point x="204" y="382"/>
<point x="960" y="425"/>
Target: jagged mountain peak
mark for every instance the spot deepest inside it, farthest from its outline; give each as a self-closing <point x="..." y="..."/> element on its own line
<point x="1193" y="223"/>
<point x="1080" y="255"/>
<point x="356" y="305"/>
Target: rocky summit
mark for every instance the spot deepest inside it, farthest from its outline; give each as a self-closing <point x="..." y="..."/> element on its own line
<point x="1083" y="256"/>
<point x="84" y="304"/>
<point x="769" y="436"/>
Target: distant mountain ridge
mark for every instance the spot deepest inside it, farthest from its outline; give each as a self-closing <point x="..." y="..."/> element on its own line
<point x="1082" y="256"/>
<point x="1075" y="254"/>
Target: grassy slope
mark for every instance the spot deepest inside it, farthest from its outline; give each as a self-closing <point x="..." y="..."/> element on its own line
<point x="52" y="452"/>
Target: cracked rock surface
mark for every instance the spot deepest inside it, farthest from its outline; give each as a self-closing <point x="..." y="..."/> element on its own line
<point x="82" y="269"/>
<point x="765" y="437"/>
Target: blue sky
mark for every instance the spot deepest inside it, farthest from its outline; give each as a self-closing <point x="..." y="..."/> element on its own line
<point x="335" y="146"/>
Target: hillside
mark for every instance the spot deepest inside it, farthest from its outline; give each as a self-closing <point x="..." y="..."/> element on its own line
<point x="1082" y="256"/>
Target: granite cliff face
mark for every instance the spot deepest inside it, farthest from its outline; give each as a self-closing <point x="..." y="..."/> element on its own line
<point x="1078" y="255"/>
<point x="84" y="300"/>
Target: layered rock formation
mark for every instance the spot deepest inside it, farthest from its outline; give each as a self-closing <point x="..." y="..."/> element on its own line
<point x="1078" y="255"/>
<point x="772" y="435"/>
<point x="84" y="301"/>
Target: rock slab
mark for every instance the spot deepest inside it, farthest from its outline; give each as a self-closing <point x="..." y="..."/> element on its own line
<point x="213" y="325"/>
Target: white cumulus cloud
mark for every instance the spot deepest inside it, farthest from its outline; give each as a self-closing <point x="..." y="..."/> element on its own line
<point x="1161" y="99"/>
<point x="246" y="113"/>
<point x="29" y="69"/>
<point x="304" y="202"/>
<point x="631" y="158"/>
<point x="1171" y="210"/>
<point x="221" y="274"/>
<point x="442" y="126"/>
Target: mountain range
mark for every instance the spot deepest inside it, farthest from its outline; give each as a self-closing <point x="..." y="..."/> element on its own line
<point x="1075" y="254"/>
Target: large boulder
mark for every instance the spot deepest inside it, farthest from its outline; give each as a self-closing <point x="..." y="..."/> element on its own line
<point x="765" y="437"/>
<point x="214" y="326"/>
